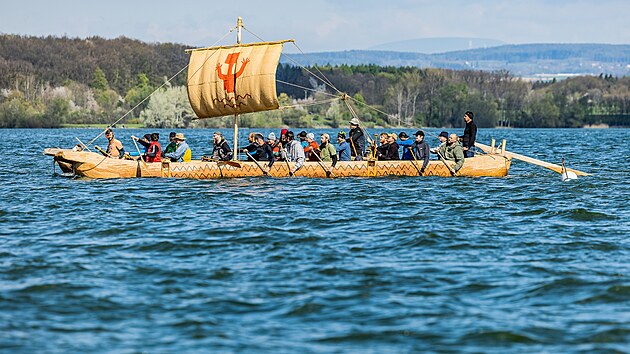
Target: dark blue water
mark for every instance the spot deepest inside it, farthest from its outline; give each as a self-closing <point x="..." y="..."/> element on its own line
<point x="525" y="263"/>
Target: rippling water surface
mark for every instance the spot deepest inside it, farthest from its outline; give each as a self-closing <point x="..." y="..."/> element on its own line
<point x="525" y="263"/>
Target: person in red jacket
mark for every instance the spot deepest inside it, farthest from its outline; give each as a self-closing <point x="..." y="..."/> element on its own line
<point x="153" y="150"/>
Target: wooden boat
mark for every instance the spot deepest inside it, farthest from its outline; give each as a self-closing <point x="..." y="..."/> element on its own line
<point x="93" y="165"/>
<point x="241" y="78"/>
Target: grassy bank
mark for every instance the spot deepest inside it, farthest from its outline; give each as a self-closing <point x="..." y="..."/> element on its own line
<point x="102" y="126"/>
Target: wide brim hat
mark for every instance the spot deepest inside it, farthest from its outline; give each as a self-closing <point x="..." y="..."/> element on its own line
<point x="354" y="121"/>
<point x="180" y="136"/>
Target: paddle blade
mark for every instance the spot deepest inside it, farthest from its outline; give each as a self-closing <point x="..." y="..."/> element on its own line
<point x="568" y="175"/>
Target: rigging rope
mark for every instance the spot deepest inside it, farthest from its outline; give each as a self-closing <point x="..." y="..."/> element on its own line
<point x="157" y="89"/>
<point x="323" y="79"/>
<point x="306" y="104"/>
<point x="306" y="88"/>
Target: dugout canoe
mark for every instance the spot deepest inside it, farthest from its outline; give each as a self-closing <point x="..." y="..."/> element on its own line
<point x="97" y="166"/>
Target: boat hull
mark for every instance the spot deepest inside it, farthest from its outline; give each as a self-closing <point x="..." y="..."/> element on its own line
<point x="93" y="165"/>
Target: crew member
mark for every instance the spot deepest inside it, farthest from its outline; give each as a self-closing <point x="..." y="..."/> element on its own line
<point x="470" y="134"/>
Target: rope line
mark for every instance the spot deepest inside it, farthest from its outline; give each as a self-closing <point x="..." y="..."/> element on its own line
<point x="307" y="88"/>
<point x="324" y="79"/>
<point x="157" y="89"/>
<point x="308" y="103"/>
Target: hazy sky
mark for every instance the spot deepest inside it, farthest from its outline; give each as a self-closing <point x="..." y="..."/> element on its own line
<point x="324" y="25"/>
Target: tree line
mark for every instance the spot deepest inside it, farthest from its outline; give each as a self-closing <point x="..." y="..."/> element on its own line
<point x="48" y="82"/>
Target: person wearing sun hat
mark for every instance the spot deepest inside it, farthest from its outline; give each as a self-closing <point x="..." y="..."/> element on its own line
<point x="392" y="149"/>
<point x="183" y="152"/>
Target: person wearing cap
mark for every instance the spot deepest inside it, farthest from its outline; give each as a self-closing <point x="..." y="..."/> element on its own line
<point x="302" y="137"/>
<point x="183" y="152"/>
<point x="172" y="146"/>
<point x="274" y="144"/>
<point x="328" y="152"/>
<point x="443" y="137"/>
<point x="470" y="135"/>
<point x="312" y="148"/>
<point x="221" y="150"/>
<point x="343" y="148"/>
<point x="419" y="150"/>
<point x="356" y="138"/>
<point x="392" y="148"/>
<point x="294" y="152"/>
<point x="114" y="147"/>
<point x="452" y="151"/>
<point x="405" y="143"/>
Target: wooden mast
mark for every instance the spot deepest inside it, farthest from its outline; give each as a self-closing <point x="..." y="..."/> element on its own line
<point x="239" y="25"/>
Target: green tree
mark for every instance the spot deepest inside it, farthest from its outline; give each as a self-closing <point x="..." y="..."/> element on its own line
<point x="56" y="112"/>
<point x="139" y="92"/>
<point x="99" y="82"/>
<point x="168" y="108"/>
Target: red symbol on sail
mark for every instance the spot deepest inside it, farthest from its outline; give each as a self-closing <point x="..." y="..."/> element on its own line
<point x="229" y="79"/>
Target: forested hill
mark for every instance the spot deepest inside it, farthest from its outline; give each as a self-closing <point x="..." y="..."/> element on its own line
<point x="55" y="60"/>
<point x="50" y="82"/>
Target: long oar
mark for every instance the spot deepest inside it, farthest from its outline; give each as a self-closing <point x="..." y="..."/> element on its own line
<point x="257" y="164"/>
<point x="327" y="170"/>
<point x="446" y="163"/>
<point x="553" y="167"/>
<point x="414" y="159"/>
<point x="221" y="162"/>
<point x="103" y="151"/>
<point x="286" y="160"/>
<point x="139" y="153"/>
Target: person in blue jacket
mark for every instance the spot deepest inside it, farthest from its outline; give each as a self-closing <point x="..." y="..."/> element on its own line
<point x="343" y="150"/>
<point x="405" y="143"/>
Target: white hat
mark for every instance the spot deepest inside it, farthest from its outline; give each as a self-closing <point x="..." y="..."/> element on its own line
<point x="310" y="136"/>
<point x="354" y="121"/>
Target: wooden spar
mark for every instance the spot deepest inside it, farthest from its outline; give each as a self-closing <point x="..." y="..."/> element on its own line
<point x="235" y="156"/>
<point x="553" y="167"/>
<point x="188" y="51"/>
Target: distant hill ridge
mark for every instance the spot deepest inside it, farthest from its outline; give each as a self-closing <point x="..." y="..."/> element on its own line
<point x="437" y="45"/>
<point x="519" y="59"/>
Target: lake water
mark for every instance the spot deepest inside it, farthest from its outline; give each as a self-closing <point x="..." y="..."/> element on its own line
<point x="525" y="263"/>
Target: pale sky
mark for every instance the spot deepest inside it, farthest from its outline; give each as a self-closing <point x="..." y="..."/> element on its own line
<point x="324" y="25"/>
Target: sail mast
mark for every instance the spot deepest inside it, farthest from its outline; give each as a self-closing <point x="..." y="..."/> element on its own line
<point x="239" y="25"/>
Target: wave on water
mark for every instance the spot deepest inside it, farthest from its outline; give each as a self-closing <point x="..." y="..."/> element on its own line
<point x="526" y="263"/>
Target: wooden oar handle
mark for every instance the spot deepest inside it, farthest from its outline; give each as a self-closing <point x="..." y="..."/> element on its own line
<point x="256" y="162"/>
